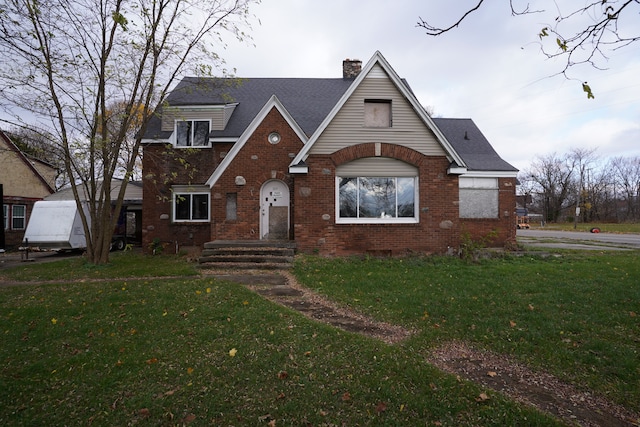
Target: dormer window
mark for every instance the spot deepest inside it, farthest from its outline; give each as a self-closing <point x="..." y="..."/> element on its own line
<point x="377" y="113"/>
<point x="192" y="133"/>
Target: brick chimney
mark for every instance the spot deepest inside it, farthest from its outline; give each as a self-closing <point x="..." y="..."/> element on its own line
<point x="351" y="68"/>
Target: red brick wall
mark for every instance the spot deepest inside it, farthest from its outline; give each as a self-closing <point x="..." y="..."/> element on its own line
<point x="258" y="162"/>
<point x="504" y="226"/>
<point x="312" y="204"/>
<point x="162" y="168"/>
<point x="315" y="228"/>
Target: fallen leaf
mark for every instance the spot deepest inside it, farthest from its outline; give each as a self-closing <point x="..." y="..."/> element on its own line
<point x="233" y="352"/>
<point x="381" y="407"/>
<point x="281" y="396"/>
<point x="531" y="307"/>
<point x="346" y="396"/>
<point x="512" y="323"/>
<point x="632" y="314"/>
<point x="144" y="412"/>
<point x="482" y="397"/>
<point x="272" y="423"/>
<point x="492" y="373"/>
<point x="189" y="370"/>
<point x="152" y="361"/>
<point x="282" y="375"/>
<point x="54" y="320"/>
<point x="189" y="419"/>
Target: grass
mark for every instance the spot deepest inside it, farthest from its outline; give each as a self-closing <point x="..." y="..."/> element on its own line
<point x="604" y="227"/>
<point x="576" y="316"/>
<point x="167" y="351"/>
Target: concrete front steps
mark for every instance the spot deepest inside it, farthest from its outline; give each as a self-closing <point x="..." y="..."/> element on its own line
<point x="248" y="255"/>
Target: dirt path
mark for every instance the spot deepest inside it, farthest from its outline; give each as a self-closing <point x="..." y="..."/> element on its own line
<point x="488" y="369"/>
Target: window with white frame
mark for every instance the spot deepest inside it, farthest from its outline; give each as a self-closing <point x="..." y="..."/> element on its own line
<point x="191" y="206"/>
<point x="478" y="197"/>
<point x="5" y="210"/>
<point x="18" y="217"/>
<point x="192" y="133"/>
<point x="365" y="199"/>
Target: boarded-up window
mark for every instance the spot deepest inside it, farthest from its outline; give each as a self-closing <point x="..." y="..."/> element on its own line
<point x="478" y="197"/>
<point x="232" y="206"/>
<point x="377" y="113"/>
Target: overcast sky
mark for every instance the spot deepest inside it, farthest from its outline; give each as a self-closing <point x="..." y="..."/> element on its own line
<point x="489" y="69"/>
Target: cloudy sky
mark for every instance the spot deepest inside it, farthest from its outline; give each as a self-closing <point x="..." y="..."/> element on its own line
<point x="489" y="69"/>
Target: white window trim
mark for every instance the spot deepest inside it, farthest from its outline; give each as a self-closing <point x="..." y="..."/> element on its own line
<point x="174" y="135"/>
<point x="24" y="217"/>
<point x="413" y="220"/>
<point x="176" y="193"/>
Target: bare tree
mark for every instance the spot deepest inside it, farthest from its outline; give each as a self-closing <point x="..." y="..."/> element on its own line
<point x="69" y="60"/>
<point x="582" y="33"/>
<point x="626" y="175"/>
<point x="553" y="177"/>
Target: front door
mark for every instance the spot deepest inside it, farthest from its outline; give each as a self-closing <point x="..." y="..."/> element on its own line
<point x="274" y="211"/>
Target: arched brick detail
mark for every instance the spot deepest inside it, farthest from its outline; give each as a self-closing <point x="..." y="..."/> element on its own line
<point x="280" y="175"/>
<point x="359" y="151"/>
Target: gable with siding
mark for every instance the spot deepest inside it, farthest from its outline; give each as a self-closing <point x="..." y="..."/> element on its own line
<point x="347" y="127"/>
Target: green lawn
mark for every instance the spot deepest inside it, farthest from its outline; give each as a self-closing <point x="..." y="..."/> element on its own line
<point x="167" y="351"/>
<point x="604" y="227"/>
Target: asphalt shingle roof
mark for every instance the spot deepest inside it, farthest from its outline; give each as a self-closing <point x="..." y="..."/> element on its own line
<point x="309" y="101"/>
<point x="471" y="145"/>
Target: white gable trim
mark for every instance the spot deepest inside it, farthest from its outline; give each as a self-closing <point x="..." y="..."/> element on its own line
<point x="397" y="81"/>
<point x="273" y="102"/>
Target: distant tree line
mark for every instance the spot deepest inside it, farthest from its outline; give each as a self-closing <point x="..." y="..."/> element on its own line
<point x="581" y="186"/>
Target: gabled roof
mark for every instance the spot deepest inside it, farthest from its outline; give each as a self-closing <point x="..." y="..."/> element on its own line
<point x="309" y="105"/>
<point x="273" y="102"/>
<point x="307" y="100"/>
<point x="473" y="147"/>
<point x="402" y="86"/>
<point x="27" y="162"/>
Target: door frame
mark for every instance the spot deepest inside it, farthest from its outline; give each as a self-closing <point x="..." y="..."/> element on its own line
<point x="265" y="203"/>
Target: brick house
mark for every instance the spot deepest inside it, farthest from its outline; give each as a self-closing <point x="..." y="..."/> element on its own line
<point x="24" y="181"/>
<point x="338" y="166"/>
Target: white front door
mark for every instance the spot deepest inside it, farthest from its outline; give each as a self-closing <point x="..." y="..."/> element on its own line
<point x="274" y="211"/>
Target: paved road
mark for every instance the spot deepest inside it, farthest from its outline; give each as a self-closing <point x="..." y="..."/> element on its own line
<point x="578" y="239"/>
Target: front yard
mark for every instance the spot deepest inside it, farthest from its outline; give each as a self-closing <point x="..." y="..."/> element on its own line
<point x="147" y="341"/>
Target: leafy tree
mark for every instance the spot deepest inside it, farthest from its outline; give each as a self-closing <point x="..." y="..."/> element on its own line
<point x="580" y="32"/>
<point x="72" y="61"/>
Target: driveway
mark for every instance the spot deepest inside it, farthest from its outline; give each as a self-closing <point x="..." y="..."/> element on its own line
<point x="578" y="240"/>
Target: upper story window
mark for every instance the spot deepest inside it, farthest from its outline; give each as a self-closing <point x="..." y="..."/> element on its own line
<point x="192" y="133"/>
<point x="377" y="113"/>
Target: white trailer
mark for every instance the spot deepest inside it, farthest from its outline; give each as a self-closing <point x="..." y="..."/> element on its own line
<point x="55" y="225"/>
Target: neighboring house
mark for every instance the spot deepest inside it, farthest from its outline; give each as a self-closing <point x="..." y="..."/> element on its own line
<point x="24" y="181"/>
<point x="339" y="166"/>
<point x="129" y="223"/>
